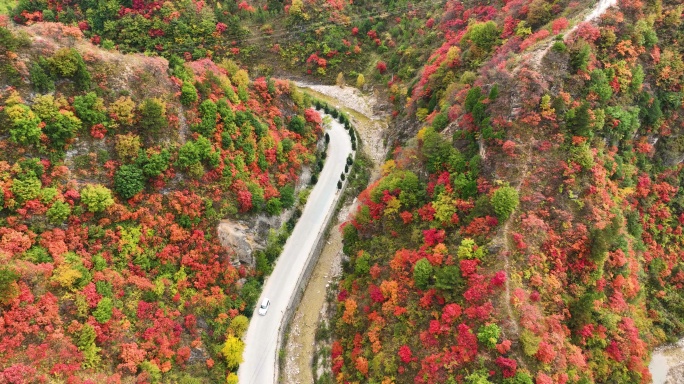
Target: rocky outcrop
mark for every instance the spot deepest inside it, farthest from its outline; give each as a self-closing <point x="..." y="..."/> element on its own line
<point x="240" y="238"/>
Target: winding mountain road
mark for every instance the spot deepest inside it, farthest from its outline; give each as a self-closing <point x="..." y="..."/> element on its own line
<point x="260" y="355"/>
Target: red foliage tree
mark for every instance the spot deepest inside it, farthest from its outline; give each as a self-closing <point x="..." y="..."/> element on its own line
<point x="244" y="198"/>
<point x="508" y="366"/>
<point x="558" y="25"/>
<point x="381" y="67"/>
<point x="546" y="352"/>
<point x="405" y="354"/>
<point x="450" y="313"/>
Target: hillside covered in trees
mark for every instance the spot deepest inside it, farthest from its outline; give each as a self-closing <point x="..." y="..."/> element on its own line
<point x="531" y="231"/>
<point x="527" y="226"/>
<point x="115" y="171"/>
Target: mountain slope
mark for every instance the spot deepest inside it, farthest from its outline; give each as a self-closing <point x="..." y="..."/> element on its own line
<point x="116" y="170"/>
<point x="543" y="243"/>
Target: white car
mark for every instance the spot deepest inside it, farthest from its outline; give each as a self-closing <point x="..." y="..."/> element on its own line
<point x="263" y="308"/>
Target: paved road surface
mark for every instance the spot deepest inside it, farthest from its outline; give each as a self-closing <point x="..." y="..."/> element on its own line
<point x="261" y="339"/>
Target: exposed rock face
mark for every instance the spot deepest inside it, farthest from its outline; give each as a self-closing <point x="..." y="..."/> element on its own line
<point x="245" y="237"/>
<point x="198" y="355"/>
<point x="240" y="238"/>
<point x="670" y="149"/>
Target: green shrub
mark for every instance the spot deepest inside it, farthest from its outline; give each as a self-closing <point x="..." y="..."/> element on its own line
<point x="650" y="111"/>
<point x="188" y="155"/>
<point x="104" y="288"/>
<point x="263" y="265"/>
<point x="520" y="378"/>
<point x="153" y="116"/>
<point x="530" y="342"/>
<point x="466" y="250"/>
<point x="422" y="273"/>
<point x="58" y="212"/>
<point x="8" y="287"/>
<point x="153" y="164"/>
<point x="478" y="377"/>
<point x="559" y="46"/>
<point x="274" y="206"/>
<point x="90" y="109"/>
<point x="468" y="77"/>
<point x="208" y="113"/>
<point x="436" y="150"/>
<point x="24" y="124"/>
<point x="8" y="42"/>
<point x="103" y="312"/>
<point x="99" y="262"/>
<point x="243" y="94"/>
<point x="483" y="35"/>
<point x="188" y="93"/>
<point x="65" y="62"/>
<point x="539" y="13"/>
<point x="96" y="197"/>
<point x="37" y="255"/>
<point x="41" y="77"/>
<point x="30" y="167"/>
<point x="287" y="197"/>
<point x="448" y="278"/>
<point x="362" y="264"/>
<point x="62" y="128"/>
<point x="488" y="335"/>
<point x="297" y="124"/>
<point x="440" y="122"/>
<point x="578" y="121"/>
<point x="25" y="189"/>
<point x="152" y="370"/>
<point x="600" y="85"/>
<point x="129" y="181"/>
<point x="86" y="343"/>
<point x="68" y="63"/>
<point x="579" y="55"/>
<point x="225" y="111"/>
<point x="582" y="155"/>
<point x="505" y="201"/>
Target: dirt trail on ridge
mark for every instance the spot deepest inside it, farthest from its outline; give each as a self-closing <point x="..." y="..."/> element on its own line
<point x="599" y="9"/>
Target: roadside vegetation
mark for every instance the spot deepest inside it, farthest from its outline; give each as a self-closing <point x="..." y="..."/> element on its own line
<point x="116" y="170"/>
<point x="527" y="232"/>
<point x="527" y="227"/>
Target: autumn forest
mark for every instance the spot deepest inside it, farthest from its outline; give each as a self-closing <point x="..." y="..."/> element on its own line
<point x="525" y="225"/>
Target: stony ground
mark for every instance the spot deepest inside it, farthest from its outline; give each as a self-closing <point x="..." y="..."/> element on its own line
<point x="670" y="358"/>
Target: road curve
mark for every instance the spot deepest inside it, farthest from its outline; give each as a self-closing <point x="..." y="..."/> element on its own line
<point x="261" y="338"/>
